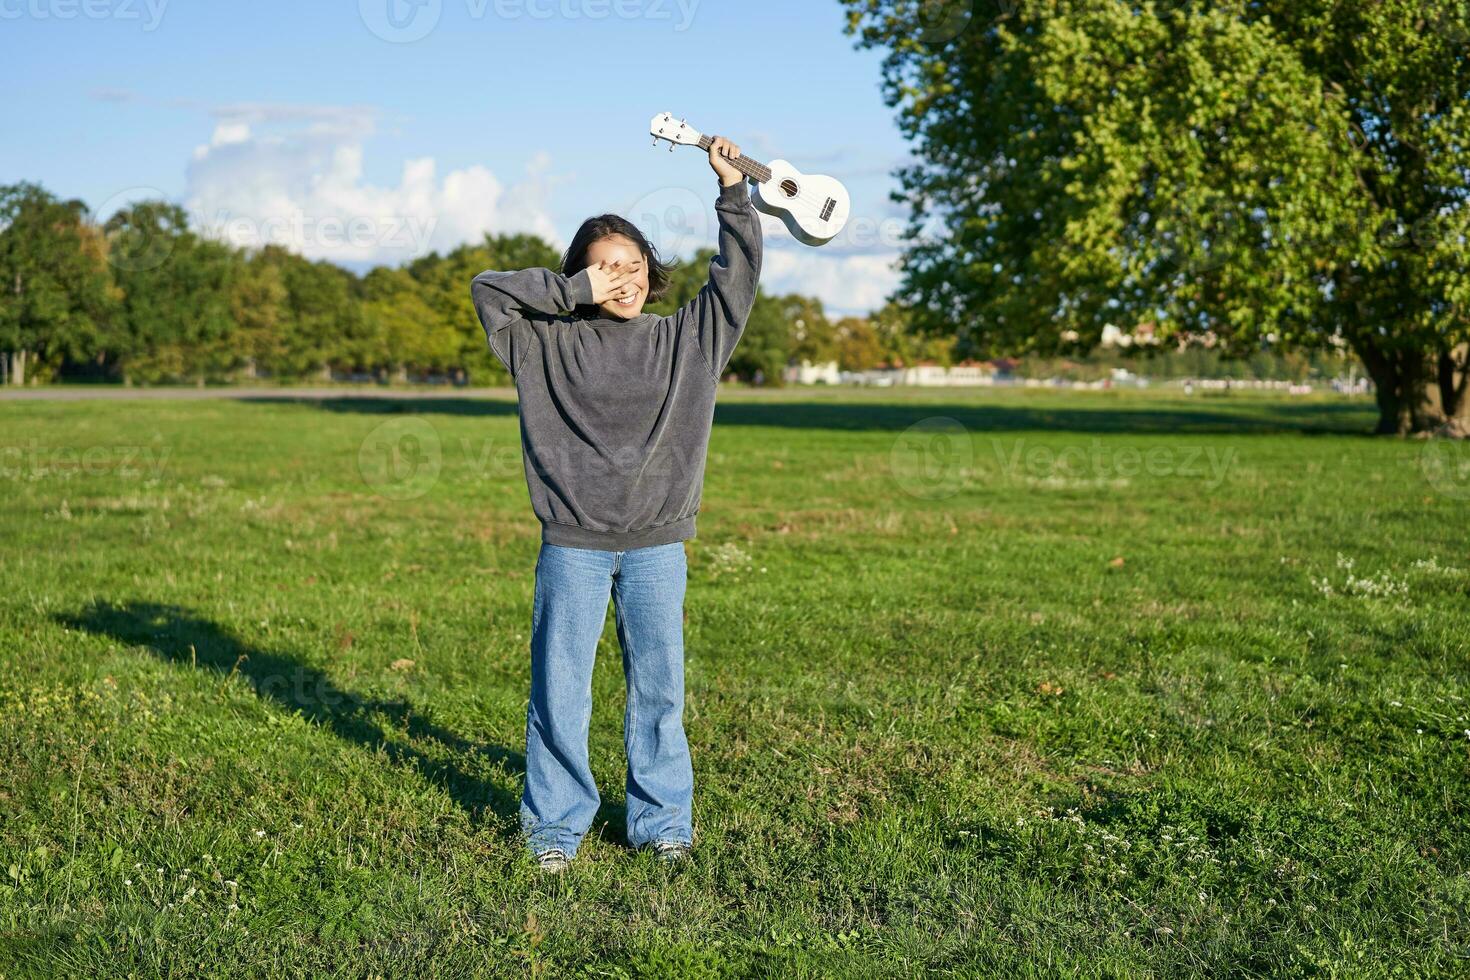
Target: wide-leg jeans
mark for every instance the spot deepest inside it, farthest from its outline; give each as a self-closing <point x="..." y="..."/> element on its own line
<point x="647" y="588"/>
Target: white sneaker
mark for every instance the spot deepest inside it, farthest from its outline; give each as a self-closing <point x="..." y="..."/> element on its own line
<point x="671" y="851"/>
<point x="553" y="859"/>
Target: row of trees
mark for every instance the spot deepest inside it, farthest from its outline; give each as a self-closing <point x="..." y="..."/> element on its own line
<point x="142" y="297"/>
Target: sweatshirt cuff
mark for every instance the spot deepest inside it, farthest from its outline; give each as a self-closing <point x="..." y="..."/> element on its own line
<point x="736" y="195"/>
<point x="579" y="289"/>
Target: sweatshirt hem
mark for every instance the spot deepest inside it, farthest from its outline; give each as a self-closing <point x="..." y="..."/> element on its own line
<point x="575" y="536"/>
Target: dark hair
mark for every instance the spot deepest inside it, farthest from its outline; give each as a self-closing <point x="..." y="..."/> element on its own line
<point x="607" y="226"/>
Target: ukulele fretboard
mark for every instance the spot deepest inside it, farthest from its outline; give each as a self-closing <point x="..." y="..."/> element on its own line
<point x="751" y="168"/>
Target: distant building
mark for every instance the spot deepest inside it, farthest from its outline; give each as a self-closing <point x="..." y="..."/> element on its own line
<point x="807" y="373"/>
<point x="926" y="374"/>
<point x="1112" y="336"/>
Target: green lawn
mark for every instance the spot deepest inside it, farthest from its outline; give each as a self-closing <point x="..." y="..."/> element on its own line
<point x="1106" y="684"/>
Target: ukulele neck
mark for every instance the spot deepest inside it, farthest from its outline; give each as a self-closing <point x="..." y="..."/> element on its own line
<point x="751" y="168"/>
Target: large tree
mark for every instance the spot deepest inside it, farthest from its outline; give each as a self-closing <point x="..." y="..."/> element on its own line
<point x="406" y="331"/>
<point x="258" y="302"/>
<point x="56" y="296"/>
<point x="322" y="323"/>
<point x="176" y="312"/>
<point x="444" y="286"/>
<point x="1286" y="172"/>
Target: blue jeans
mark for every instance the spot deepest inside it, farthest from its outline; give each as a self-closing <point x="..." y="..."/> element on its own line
<point x="572" y="588"/>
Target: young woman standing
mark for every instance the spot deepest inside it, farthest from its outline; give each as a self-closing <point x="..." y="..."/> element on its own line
<point x="616" y="407"/>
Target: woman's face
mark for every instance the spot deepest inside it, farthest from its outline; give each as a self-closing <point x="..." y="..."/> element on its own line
<point x="619" y="248"/>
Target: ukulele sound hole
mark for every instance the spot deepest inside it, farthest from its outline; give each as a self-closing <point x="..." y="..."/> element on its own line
<point x="788" y="187"/>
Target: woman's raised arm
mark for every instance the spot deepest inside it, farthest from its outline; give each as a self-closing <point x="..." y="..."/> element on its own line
<point x="502" y="300"/>
<point x="720" y="310"/>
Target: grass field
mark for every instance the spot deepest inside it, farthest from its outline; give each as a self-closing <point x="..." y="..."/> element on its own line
<point x="999" y="683"/>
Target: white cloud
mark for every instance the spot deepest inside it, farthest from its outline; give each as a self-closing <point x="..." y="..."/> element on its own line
<point x="847" y="285"/>
<point x="294" y="176"/>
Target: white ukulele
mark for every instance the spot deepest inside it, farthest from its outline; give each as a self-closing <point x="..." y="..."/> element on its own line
<point x="814" y="208"/>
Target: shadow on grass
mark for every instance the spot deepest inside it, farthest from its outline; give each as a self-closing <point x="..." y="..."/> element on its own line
<point x="1207" y="416"/>
<point x="176" y="635"/>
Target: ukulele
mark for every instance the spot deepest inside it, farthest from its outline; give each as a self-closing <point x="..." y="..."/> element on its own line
<point x="813" y="207"/>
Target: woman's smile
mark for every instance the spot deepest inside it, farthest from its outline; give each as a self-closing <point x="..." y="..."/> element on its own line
<point x="622" y="266"/>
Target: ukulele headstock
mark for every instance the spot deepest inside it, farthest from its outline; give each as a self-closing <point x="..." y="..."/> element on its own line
<point x="665" y="127"/>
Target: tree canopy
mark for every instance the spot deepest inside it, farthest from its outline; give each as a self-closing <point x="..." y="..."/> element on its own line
<point x="1283" y="172"/>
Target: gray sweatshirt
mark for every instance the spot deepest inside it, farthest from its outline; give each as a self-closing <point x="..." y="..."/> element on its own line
<point x="616" y="414"/>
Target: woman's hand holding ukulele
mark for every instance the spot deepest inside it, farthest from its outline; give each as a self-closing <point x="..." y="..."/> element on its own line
<point x="721" y="151"/>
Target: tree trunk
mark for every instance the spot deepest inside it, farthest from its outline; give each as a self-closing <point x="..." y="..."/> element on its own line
<point x="18" y="368"/>
<point x="1411" y="389"/>
<point x="1454" y="390"/>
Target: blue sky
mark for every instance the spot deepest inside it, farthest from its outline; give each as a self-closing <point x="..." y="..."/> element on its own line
<point x="373" y="130"/>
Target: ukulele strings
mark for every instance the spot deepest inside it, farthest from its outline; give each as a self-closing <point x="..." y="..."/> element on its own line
<point x="810" y="204"/>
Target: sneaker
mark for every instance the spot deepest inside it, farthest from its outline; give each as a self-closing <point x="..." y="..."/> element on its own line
<point x="671" y="851"/>
<point x="552" y="859"/>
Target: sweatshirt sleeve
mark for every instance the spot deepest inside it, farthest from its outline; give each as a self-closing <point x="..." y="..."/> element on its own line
<point x="503" y="300"/>
<point x="719" y="312"/>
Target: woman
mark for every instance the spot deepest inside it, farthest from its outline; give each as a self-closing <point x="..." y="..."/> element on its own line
<point x="616" y="407"/>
